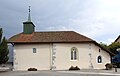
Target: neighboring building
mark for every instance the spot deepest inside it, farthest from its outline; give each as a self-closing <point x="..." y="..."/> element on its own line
<point x="10" y="55"/>
<point x="56" y="50"/>
<point x="116" y="58"/>
<point x="118" y="39"/>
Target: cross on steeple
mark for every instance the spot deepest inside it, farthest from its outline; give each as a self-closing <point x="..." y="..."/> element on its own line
<point x="29" y="8"/>
<point x="29" y="18"/>
<point x="28" y="26"/>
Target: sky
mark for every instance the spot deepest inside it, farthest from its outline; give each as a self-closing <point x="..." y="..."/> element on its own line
<point x="96" y="19"/>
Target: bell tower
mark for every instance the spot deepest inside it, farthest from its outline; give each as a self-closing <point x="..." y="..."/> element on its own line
<point x="28" y="26"/>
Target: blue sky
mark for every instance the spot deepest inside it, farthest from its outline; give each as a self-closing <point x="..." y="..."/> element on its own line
<point x="96" y="19"/>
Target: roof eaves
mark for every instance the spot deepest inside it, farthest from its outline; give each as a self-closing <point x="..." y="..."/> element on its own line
<point x="104" y="48"/>
<point x="54" y="42"/>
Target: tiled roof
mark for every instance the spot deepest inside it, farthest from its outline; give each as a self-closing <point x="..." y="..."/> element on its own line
<point x="54" y="36"/>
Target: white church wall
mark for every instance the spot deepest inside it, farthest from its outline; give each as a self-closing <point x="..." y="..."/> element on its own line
<point x="24" y="57"/>
<point x="97" y="51"/>
<point x="57" y="56"/>
<point x="87" y="56"/>
<point x="63" y="56"/>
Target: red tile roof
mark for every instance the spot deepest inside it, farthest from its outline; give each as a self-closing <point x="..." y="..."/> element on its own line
<point x="54" y="36"/>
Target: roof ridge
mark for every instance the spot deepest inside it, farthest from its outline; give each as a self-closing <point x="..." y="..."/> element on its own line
<point x="50" y="36"/>
<point x="52" y="31"/>
<point x="84" y="36"/>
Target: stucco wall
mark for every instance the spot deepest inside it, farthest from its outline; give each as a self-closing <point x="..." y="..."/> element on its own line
<point x="105" y="57"/>
<point x="84" y="61"/>
<point x="25" y="58"/>
<point x="58" y="56"/>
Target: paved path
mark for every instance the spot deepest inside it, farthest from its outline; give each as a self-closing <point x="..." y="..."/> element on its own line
<point x="62" y="73"/>
<point x="90" y="73"/>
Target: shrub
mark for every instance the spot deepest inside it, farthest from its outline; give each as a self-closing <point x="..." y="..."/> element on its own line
<point x="32" y="69"/>
<point x="74" y="68"/>
<point x="71" y="68"/>
<point x="108" y="66"/>
<point x="77" y="68"/>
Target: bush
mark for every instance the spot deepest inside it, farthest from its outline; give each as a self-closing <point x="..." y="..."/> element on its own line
<point x="108" y="66"/>
<point x="74" y="68"/>
<point x="32" y="69"/>
<point x="71" y="68"/>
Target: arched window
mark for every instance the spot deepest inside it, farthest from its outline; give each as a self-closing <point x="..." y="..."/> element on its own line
<point x="74" y="53"/>
<point x="99" y="59"/>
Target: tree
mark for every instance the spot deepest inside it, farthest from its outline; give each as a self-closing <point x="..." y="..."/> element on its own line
<point x="114" y="46"/>
<point x="104" y="45"/>
<point x="0" y="34"/>
<point x="3" y="49"/>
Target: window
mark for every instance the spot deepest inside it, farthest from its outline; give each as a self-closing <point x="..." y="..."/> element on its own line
<point x="34" y="50"/>
<point x="74" y="53"/>
<point x="99" y="59"/>
<point x="99" y="50"/>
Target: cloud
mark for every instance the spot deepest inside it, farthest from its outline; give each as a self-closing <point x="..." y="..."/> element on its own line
<point x="97" y="19"/>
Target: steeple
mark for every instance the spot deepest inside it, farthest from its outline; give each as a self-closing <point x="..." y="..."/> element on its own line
<point x="28" y="26"/>
<point x="29" y="18"/>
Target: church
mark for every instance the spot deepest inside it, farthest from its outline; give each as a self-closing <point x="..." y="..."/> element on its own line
<point x="56" y="50"/>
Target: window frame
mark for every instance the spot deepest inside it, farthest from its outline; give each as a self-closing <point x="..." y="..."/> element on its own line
<point x="99" y="50"/>
<point x="99" y="58"/>
<point x="74" y="54"/>
<point x="34" y="50"/>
